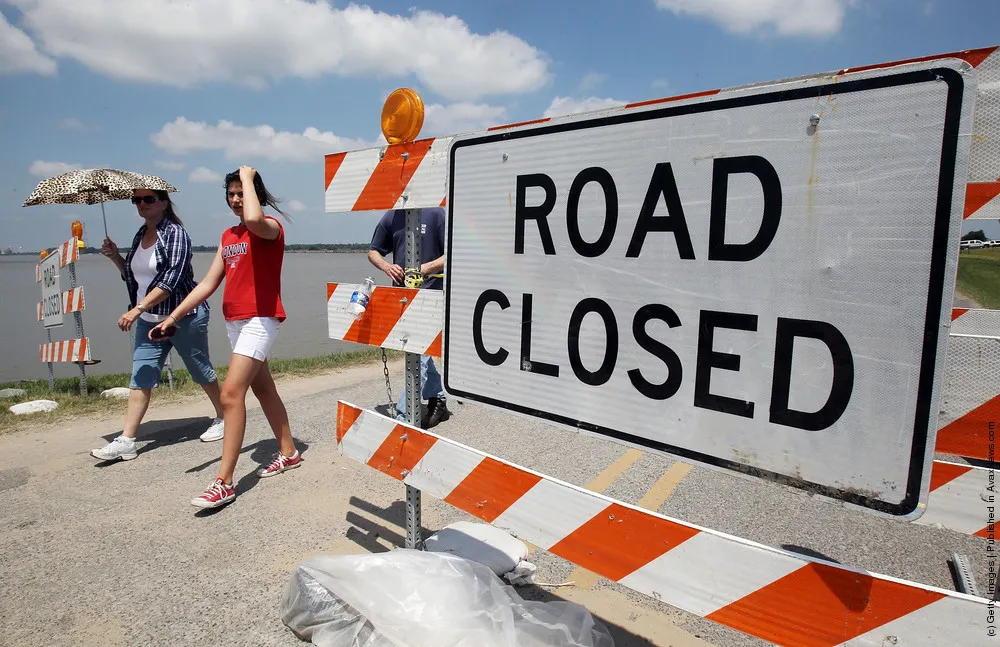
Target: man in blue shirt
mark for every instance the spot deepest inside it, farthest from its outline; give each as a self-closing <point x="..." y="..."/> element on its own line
<point x="390" y="236"/>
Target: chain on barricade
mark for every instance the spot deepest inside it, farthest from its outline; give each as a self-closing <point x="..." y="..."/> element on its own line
<point x="385" y="371"/>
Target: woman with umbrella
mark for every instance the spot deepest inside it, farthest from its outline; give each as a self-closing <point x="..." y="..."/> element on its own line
<point x="158" y="275"/>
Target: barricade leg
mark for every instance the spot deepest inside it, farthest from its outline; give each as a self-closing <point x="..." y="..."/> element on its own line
<point x="414" y="404"/>
<point x="78" y="320"/>
<point x="52" y="378"/>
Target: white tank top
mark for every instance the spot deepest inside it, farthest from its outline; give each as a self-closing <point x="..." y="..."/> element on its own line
<point x="144" y="267"/>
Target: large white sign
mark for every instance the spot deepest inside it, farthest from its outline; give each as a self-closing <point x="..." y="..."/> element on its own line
<point x="760" y="282"/>
<point x="52" y="308"/>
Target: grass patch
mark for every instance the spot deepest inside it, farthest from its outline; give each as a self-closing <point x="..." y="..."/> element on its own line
<point x="979" y="276"/>
<point x="71" y="403"/>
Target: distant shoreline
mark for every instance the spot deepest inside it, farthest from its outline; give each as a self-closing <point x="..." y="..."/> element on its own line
<point x="297" y="248"/>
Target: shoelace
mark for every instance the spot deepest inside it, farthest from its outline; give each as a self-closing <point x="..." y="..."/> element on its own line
<point x="215" y="488"/>
<point x="278" y="462"/>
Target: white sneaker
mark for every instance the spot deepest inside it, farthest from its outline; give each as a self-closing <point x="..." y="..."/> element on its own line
<point x="121" y="447"/>
<point x="215" y="431"/>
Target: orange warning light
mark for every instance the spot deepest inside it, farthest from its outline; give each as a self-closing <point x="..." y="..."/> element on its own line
<point x="402" y="116"/>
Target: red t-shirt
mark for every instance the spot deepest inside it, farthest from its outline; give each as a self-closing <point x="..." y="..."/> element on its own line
<point x="253" y="274"/>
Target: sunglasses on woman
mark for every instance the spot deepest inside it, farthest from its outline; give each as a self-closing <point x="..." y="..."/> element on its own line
<point x="148" y="199"/>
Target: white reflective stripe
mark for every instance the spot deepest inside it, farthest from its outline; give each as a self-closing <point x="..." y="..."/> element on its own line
<point x="366" y="436"/>
<point x="351" y="179"/>
<point x="442" y="468"/>
<point x="977" y="322"/>
<point x="549" y="512"/>
<point x="945" y="622"/>
<point x="960" y="504"/>
<point x="429" y="184"/>
<point x="708" y="572"/>
<point x="338" y="319"/>
<point x="969" y="379"/>
<point x="420" y="323"/>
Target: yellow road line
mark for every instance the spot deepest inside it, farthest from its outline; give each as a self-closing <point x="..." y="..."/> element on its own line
<point x="664" y="487"/>
<point x="604" y="480"/>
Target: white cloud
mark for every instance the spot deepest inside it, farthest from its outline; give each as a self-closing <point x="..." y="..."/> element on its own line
<point x="568" y="106"/>
<point x="40" y="168"/>
<point x="190" y="43"/>
<point x="296" y="207"/>
<point x="202" y="175"/>
<point x="786" y="17"/>
<point x="169" y="165"/>
<point x="591" y="81"/>
<point x="460" y="118"/>
<point x="18" y="53"/>
<point x="241" y="143"/>
<point x="71" y="123"/>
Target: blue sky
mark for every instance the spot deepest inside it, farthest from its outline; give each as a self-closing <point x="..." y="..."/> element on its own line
<point x="189" y="90"/>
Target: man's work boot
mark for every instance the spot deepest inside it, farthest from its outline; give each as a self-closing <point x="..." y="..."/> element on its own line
<point x="437" y="412"/>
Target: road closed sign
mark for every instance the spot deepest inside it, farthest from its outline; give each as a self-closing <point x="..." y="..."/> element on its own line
<point x="52" y="306"/>
<point x="759" y="280"/>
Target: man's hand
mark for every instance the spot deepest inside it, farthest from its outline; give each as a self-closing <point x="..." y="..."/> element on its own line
<point x="394" y="272"/>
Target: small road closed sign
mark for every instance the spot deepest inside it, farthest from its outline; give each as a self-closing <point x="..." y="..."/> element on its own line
<point x="52" y="306"/>
<point x="759" y="281"/>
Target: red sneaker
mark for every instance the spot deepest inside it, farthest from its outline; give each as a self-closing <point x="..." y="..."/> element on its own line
<point x="280" y="464"/>
<point x="217" y="495"/>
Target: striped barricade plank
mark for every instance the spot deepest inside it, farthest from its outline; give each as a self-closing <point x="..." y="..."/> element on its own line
<point x="970" y="397"/>
<point x="404" y="319"/>
<point x="961" y="497"/>
<point x="975" y="322"/>
<point x="776" y="595"/>
<point x="403" y="175"/>
<point x="72" y="301"/>
<point x="69" y="253"/>
<point x="71" y="350"/>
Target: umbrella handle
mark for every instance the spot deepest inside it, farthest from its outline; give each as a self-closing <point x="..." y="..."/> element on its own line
<point x="105" y="220"/>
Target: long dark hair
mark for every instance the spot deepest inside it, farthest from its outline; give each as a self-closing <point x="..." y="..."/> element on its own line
<point x="169" y="212"/>
<point x="263" y="195"/>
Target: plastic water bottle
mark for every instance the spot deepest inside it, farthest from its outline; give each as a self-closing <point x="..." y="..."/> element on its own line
<point x="359" y="300"/>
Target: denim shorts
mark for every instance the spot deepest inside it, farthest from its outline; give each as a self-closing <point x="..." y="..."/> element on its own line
<point x="191" y="342"/>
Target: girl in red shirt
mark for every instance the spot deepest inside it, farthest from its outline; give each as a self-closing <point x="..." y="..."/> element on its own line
<point x="249" y="259"/>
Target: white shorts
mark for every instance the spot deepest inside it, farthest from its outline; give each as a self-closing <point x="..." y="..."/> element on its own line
<point x="253" y="337"/>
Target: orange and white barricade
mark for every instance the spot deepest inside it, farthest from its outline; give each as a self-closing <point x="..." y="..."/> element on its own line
<point x="57" y="303"/>
<point x="777" y="595"/>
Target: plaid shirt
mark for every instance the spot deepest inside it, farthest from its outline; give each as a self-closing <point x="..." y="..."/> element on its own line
<point x="173" y="262"/>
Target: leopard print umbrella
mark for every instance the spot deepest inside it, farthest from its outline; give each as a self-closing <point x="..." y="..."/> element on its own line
<point x="93" y="186"/>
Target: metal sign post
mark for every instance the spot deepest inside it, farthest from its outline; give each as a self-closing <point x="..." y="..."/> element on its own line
<point x="414" y="404"/>
<point x="78" y="322"/>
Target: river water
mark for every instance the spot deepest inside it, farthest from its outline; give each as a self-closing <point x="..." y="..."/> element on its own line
<point x="303" y="291"/>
